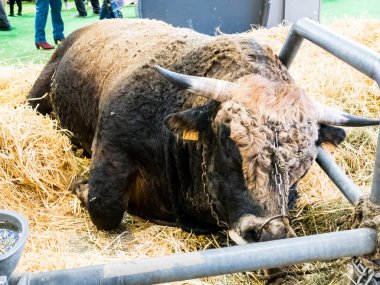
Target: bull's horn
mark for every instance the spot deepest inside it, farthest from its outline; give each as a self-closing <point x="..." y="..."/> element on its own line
<point x="215" y="89"/>
<point x="331" y="116"/>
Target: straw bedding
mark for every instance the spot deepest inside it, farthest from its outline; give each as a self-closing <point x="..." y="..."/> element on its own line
<point x="38" y="162"/>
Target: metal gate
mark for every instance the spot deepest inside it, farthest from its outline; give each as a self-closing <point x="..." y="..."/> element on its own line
<point x="262" y="255"/>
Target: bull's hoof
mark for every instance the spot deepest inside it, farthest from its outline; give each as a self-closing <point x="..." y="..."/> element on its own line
<point x="277" y="276"/>
<point x="79" y="187"/>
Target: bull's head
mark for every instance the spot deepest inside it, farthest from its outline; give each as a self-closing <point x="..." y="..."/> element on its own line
<point x="258" y="128"/>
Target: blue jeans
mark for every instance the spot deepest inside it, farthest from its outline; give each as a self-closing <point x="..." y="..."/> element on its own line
<point x="105" y="12"/>
<point x="4" y="23"/>
<point x="42" y="10"/>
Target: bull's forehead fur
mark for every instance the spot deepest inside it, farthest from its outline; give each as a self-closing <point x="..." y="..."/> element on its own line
<point x="255" y="113"/>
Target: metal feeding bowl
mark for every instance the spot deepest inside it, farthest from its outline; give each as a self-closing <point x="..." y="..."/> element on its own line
<point x="13" y="234"/>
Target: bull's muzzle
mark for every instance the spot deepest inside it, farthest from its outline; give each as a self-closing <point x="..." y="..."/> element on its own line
<point x="249" y="229"/>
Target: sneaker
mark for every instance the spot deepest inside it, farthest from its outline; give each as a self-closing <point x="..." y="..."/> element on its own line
<point x="68" y="5"/>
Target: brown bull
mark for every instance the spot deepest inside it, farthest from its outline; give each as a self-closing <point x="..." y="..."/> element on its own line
<point x="219" y="148"/>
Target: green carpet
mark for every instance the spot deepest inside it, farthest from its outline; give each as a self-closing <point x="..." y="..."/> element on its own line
<point x="17" y="46"/>
<point x="337" y="9"/>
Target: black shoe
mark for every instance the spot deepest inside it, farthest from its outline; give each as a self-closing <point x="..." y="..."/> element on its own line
<point x="96" y="12"/>
<point x="11" y="15"/>
<point x="80" y="15"/>
<point x="58" y="41"/>
<point x="19" y="14"/>
<point x="5" y="28"/>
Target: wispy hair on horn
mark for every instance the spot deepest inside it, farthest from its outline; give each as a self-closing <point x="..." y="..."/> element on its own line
<point x="219" y="90"/>
<point x="335" y="117"/>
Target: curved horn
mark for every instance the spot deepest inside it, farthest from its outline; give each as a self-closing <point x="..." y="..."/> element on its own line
<point x="215" y="89"/>
<point x="331" y="116"/>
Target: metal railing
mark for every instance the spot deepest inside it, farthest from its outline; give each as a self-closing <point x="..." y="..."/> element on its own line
<point x="260" y="255"/>
<point x="359" y="57"/>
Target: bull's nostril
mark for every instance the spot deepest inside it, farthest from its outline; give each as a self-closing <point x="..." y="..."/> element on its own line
<point x="273" y="234"/>
<point x="251" y="236"/>
<point x="249" y="229"/>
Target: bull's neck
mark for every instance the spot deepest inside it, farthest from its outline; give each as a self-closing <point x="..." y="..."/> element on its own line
<point x="184" y="174"/>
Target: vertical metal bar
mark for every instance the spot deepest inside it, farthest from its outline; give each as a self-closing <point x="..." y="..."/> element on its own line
<point x="340" y="179"/>
<point x="265" y="13"/>
<point x="214" y="262"/>
<point x="375" y="189"/>
<point x="291" y="46"/>
<point x="356" y="55"/>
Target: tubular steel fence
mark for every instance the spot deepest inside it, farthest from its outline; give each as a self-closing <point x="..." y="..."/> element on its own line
<point x="321" y="247"/>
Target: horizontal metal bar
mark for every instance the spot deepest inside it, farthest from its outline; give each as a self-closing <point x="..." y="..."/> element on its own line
<point x="340" y="179"/>
<point x="213" y="262"/>
<point x="357" y="55"/>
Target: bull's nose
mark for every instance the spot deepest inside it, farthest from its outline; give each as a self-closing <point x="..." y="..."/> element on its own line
<point x="266" y="236"/>
<point x="250" y="229"/>
<point x="274" y="230"/>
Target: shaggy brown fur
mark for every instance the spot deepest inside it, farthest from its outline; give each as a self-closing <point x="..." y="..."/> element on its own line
<point x="104" y="88"/>
<point x="259" y="108"/>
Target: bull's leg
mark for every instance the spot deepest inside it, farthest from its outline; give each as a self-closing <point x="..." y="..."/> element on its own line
<point x="79" y="187"/>
<point x="110" y="175"/>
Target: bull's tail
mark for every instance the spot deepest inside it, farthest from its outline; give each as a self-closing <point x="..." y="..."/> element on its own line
<point x="38" y="96"/>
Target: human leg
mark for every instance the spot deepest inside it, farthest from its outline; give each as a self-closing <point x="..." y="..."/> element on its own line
<point x="95" y="6"/>
<point x="56" y="19"/>
<point x="105" y="12"/>
<point x="4" y="23"/>
<point x="19" y="7"/>
<point x="11" y="7"/>
<point x="42" y="9"/>
<point x="80" y="7"/>
<point x="68" y="5"/>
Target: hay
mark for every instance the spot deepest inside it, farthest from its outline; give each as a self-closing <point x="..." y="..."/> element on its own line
<point x="37" y="164"/>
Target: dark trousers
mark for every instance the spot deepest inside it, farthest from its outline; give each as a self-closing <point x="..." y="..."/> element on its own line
<point x="12" y="4"/>
<point x="82" y="8"/>
<point x="106" y="11"/>
<point x="4" y="23"/>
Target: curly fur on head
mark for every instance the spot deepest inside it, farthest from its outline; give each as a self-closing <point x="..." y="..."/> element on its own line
<point x="265" y="107"/>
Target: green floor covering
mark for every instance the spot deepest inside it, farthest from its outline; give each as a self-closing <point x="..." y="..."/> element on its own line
<point x="335" y="9"/>
<point x="17" y="46"/>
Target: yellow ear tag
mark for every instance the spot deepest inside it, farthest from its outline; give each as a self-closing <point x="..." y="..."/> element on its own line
<point x="190" y="135"/>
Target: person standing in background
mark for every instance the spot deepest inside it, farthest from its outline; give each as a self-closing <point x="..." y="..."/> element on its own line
<point x="11" y="7"/>
<point x="106" y="11"/>
<point x="82" y="8"/>
<point x="4" y="23"/>
<point x="42" y="10"/>
<point x="68" y="5"/>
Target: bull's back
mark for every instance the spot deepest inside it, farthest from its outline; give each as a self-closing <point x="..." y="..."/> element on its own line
<point x="106" y="57"/>
<point x="110" y="64"/>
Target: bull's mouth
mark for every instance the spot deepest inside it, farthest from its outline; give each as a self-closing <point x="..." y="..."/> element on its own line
<point x="250" y="229"/>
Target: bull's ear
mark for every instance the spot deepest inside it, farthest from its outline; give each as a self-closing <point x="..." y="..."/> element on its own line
<point x="192" y="120"/>
<point x="331" y="135"/>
